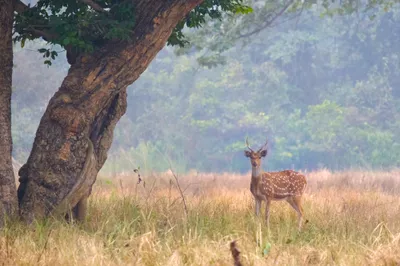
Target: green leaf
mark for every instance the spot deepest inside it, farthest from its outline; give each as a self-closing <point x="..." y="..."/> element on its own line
<point x="66" y="41"/>
<point x="23" y="42"/>
<point x="267" y="248"/>
<point x="244" y="10"/>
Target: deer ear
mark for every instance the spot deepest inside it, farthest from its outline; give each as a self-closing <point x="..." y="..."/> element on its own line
<point x="247" y="153"/>
<point x="263" y="153"/>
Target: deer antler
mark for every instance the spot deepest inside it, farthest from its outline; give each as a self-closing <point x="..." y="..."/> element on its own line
<point x="263" y="147"/>
<point x="247" y="144"/>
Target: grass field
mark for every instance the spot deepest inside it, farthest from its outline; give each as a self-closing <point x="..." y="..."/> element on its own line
<point x="354" y="219"/>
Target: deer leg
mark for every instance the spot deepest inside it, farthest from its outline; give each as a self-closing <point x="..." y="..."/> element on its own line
<point x="267" y="204"/>
<point x="298" y="202"/>
<point x="295" y="202"/>
<point x="258" y="206"/>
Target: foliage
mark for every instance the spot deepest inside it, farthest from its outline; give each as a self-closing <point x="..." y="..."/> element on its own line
<point x="79" y="28"/>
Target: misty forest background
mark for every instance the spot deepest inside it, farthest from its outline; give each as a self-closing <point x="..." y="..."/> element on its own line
<point x="324" y="90"/>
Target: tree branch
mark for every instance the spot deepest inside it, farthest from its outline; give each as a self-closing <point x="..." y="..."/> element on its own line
<point x="268" y="22"/>
<point x="48" y="37"/>
<point x="40" y="33"/>
<point x="93" y="5"/>
<point x="20" y="7"/>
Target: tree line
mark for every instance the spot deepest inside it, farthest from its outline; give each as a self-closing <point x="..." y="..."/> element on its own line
<point x="323" y="89"/>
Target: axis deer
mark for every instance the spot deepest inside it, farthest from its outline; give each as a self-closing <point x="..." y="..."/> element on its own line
<point x="268" y="186"/>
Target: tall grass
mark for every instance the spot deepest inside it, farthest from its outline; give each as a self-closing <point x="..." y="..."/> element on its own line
<point x="354" y="219"/>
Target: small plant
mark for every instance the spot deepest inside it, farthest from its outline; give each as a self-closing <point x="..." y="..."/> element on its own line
<point x="137" y="171"/>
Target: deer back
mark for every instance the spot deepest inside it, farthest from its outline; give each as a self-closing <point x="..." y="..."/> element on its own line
<point x="283" y="184"/>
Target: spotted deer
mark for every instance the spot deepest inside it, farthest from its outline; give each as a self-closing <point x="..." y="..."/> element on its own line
<point x="268" y="186"/>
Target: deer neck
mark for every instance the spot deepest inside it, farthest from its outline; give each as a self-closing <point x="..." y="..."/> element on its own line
<point x="256" y="172"/>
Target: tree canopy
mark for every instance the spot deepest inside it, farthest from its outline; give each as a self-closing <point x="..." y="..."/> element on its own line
<point x="85" y="25"/>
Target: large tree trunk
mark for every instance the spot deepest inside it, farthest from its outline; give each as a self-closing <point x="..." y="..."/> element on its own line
<point x="8" y="198"/>
<point x="76" y="130"/>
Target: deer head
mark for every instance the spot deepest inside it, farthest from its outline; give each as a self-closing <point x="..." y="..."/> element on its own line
<point x="255" y="156"/>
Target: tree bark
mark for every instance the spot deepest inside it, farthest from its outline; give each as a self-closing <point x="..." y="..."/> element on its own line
<point x="76" y="131"/>
<point x="8" y="199"/>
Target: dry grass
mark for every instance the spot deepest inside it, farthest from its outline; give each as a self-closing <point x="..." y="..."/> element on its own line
<point x="354" y="219"/>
